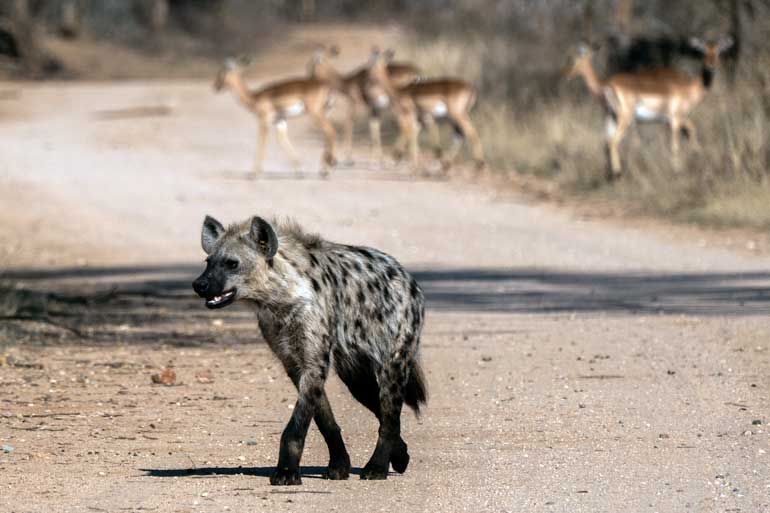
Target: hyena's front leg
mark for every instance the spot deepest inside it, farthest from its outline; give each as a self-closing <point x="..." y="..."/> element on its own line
<point x="339" y="460"/>
<point x="312" y="402"/>
<point x="293" y="441"/>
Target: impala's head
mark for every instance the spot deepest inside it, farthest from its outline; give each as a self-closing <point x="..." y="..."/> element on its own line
<point x="379" y="59"/>
<point x="578" y="61"/>
<point x="711" y="51"/>
<point x="319" y="66"/>
<point x="237" y="262"/>
<point x="378" y="65"/>
<point x="230" y="70"/>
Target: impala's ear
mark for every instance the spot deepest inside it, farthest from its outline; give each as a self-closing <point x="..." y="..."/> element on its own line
<point x="698" y="44"/>
<point x="212" y="231"/>
<point x="724" y="43"/>
<point x="334" y="50"/>
<point x="243" y="60"/>
<point x="389" y="54"/>
<point x="263" y="235"/>
<point x="230" y="63"/>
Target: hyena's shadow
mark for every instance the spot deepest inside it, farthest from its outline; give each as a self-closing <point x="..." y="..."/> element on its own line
<point x="310" y="472"/>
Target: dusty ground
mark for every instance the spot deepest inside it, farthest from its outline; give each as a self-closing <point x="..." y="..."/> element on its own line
<point x="573" y="365"/>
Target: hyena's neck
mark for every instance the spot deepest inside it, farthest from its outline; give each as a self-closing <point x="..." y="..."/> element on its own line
<point x="285" y="285"/>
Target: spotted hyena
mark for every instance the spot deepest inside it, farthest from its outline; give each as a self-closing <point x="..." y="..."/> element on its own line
<point x="322" y="305"/>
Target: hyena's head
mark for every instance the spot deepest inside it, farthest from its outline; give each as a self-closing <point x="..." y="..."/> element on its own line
<point x="237" y="258"/>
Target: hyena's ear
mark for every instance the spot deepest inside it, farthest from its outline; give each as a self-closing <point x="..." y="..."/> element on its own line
<point x="264" y="237"/>
<point x="210" y="234"/>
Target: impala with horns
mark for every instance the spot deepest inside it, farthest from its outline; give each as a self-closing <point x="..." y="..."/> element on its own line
<point x="275" y="103"/>
<point x="657" y="94"/>
<point x="359" y="92"/>
<point x="423" y="102"/>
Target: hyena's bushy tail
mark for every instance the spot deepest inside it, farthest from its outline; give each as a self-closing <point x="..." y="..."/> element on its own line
<point x="416" y="393"/>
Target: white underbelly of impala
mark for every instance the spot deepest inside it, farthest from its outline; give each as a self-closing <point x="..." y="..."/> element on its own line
<point x="381" y="101"/>
<point x="294" y="109"/>
<point x="439" y="110"/>
<point x="650" y="109"/>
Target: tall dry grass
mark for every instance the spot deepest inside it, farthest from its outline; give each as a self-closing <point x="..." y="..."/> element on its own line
<point x="532" y="121"/>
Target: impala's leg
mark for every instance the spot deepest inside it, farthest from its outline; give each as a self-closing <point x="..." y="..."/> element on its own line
<point x="376" y="136"/>
<point x="477" y="150"/>
<point x="330" y="136"/>
<point x="264" y="131"/>
<point x="676" y="128"/>
<point x="283" y="137"/>
<point x="676" y="132"/>
<point x="433" y="133"/>
<point x="615" y="137"/>
<point x="403" y="130"/>
<point x="464" y="129"/>
<point x="692" y="134"/>
<point x="458" y="136"/>
<point x="349" y="125"/>
<point x="414" y="145"/>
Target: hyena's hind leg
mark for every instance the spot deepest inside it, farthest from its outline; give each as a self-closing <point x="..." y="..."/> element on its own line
<point x="400" y="381"/>
<point x="392" y="382"/>
<point x="365" y="388"/>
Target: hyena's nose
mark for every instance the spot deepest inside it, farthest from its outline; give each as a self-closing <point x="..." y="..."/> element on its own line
<point x="201" y="286"/>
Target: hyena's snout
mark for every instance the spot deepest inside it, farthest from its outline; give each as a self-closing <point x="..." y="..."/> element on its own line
<point x="201" y="285"/>
<point x="213" y="290"/>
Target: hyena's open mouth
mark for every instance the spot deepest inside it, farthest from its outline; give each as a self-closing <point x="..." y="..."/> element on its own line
<point x="222" y="300"/>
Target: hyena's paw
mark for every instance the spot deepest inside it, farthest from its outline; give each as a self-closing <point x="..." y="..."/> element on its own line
<point x="285" y="477"/>
<point x="399" y="458"/>
<point x="372" y="473"/>
<point x="337" y="472"/>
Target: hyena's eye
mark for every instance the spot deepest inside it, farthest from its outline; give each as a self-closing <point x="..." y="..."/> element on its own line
<point x="231" y="263"/>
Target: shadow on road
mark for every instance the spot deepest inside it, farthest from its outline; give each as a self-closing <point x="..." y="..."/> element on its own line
<point x="311" y="472"/>
<point x="545" y="291"/>
<point x="156" y="303"/>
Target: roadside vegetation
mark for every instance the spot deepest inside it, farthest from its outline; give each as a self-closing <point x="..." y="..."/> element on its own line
<point x="537" y="123"/>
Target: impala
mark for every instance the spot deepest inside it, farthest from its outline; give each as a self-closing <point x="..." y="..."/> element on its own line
<point x="358" y="92"/>
<point x="273" y="104"/>
<point x="657" y="94"/>
<point x="423" y="101"/>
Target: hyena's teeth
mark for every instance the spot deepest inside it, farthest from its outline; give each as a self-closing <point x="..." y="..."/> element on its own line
<point x="218" y="299"/>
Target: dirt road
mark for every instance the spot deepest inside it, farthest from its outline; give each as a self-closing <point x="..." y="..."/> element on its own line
<point x="573" y="365"/>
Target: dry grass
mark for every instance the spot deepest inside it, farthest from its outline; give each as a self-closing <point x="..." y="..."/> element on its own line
<point x="533" y="122"/>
